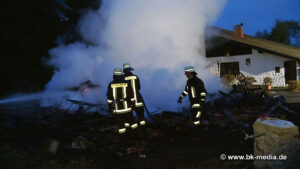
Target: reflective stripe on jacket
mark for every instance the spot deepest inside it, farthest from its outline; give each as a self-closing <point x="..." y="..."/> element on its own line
<point x="196" y="91"/>
<point x="134" y="82"/>
<point x="120" y="96"/>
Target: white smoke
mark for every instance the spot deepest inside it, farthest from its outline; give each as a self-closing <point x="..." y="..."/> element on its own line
<point x="158" y="38"/>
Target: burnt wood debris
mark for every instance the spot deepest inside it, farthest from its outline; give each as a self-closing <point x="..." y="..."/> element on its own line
<point x="50" y="133"/>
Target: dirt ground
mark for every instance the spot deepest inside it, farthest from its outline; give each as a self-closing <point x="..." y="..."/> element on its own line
<point x="86" y="141"/>
<point x="169" y="149"/>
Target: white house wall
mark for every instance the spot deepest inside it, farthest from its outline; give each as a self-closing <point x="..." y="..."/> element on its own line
<point x="261" y="65"/>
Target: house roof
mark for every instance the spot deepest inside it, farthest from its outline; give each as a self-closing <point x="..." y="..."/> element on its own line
<point x="259" y="43"/>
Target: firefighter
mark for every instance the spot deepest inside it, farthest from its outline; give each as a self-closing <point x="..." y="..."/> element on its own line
<point x="135" y="84"/>
<point x="197" y="93"/>
<point x="120" y="100"/>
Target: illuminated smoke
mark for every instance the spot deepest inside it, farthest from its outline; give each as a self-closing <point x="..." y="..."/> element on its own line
<point x="158" y="38"/>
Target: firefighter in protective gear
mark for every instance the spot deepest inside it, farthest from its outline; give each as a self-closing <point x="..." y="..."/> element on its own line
<point x="135" y="85"/>
<point x="197" y="94"/>
<point x="120" y="100"/>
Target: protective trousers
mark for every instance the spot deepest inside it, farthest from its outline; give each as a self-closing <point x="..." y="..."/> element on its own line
<point x="197" y="116"/>
<point x="142" y="130"/>
<point x="140" y="116"/>
<point x="125" y="122"/>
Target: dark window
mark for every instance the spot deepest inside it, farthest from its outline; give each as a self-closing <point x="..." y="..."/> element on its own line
<point x="277" y="69"/>
<point x="248" y="61"/>
<point x="230" y="68"/>
<point x="290" y="70"/>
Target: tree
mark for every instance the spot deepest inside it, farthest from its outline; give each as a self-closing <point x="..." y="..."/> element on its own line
<point x="70" y="11"/>
<point x="287" y="32"/>
<point x="28" y="30"/>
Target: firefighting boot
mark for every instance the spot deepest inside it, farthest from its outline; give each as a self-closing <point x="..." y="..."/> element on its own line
<point x="134" y="134"/>
<point x="120" y="131"/>
<point x="142" y="129"/>
<point x="118" y="135"/>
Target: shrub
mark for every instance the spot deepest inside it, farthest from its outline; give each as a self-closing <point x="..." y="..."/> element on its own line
<point x="229" y="78"/>
<point x="268" y="80"/>
<point x="294" y="84"/>
<point x="245" y="79"/>
<point x="240" y="78"/>
<point x="250" y="80"/>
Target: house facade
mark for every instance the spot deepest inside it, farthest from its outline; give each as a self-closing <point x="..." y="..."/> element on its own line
<point x="231" y="52"/>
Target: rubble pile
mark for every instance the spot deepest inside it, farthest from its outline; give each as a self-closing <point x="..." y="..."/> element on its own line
<point x="73" y="139"/>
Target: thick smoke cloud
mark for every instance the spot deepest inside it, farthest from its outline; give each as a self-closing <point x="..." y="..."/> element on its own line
<point x="158" y="38"/>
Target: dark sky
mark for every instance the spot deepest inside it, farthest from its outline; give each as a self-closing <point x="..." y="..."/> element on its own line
<point x="257" y="14"/>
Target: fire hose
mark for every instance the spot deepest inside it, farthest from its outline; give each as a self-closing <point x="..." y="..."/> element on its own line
<point x="146" y="109"/>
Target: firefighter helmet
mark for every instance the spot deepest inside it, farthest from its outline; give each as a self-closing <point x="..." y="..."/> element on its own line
<point x="118" y="71"/>
<point x="189" y="69"/>
<point x="127" y="67"/>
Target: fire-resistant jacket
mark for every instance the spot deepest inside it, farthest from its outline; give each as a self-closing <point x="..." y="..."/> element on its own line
<point x="135" y="84"/>
<point x="120" y="96"/>
<point x="195" y="89"/>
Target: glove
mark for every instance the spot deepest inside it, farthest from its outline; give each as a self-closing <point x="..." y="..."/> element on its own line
<point x="179" y="100"/>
